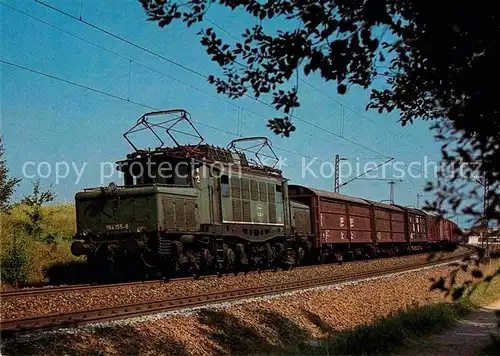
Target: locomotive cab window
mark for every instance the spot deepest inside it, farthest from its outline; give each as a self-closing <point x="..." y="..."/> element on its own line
<point x="278" y="194"/>
<point x="182" y="175"/>
<point x="138" y="173"/>
<point x="224" y="185"/>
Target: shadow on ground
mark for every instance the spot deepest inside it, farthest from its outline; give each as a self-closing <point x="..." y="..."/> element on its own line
<point x="227" y="334"/>
<point x="276" y="334"/>
<point x="78" y="272"/>
<point x="68" y="273"/>
<point x="118" y="340"/>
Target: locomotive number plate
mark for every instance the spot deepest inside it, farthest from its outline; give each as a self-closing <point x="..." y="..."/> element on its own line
<point x="116" y="227"/>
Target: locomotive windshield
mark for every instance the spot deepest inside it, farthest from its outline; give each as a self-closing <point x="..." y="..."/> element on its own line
<point x="177" y="173"/>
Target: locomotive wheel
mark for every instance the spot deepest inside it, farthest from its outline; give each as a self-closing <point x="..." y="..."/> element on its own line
<point x="207" y="261"/>
<point x="106" y="269"/>
<point x="289" y="260"/>
<point x="92" y="268"/>
<point x="268" y="257"/>
<point x="300" y="256"/>
<point x="229" y="259"/>
<point x="240" y="262"/>
<point x="196" y="268"/>
<point x="149" y="259"/>
<point x="192" y="266"/>
<point x="167" y="268"/>
<point x="102" y="265"/>
<point x="321" y="256"/>
<point x="277" y="258"/>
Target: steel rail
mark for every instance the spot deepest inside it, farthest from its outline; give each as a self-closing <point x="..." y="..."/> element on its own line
<point x="39" y="291"/>
<point x="14" y="327"/>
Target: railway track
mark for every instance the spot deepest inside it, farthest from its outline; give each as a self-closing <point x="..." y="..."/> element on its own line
<point x="39" y="291"/>
<point x="14" y="327"/>
<point x="83" y="287"/>
<point x="69" y="288"/>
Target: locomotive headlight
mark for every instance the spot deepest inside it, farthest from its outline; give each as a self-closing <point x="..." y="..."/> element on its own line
<point x="142" y="228"/>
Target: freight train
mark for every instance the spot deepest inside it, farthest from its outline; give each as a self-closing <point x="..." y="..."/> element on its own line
<point x="198" y="208"/>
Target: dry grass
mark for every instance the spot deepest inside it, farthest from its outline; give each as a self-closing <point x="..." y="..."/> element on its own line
<point x="485" y="293"/>
<point x="50" y="248"/>
<point x="287" y="325"/>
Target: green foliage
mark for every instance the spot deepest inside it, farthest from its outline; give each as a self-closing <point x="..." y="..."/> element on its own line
<point x="449" y="286"/>
<point x="33" y="209"/>
<point x="52" y="248"/>
<point x="387" y="334"/>
<point x="487" y="290"/>
<point x="434" y="62"/>
<point x="16" y="263"/>
<point x="7" y="185"/>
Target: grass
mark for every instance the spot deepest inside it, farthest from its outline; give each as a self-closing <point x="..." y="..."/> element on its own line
<point x="50" y="248"/>
<point x="390" y="333"/>
<point x="393" y="333"/>
<point x="485" y="293"/>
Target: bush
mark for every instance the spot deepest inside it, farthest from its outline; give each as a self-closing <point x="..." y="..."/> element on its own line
<point x="15" y="263"/>
<point x="51" y="247"/>
<point x="32" y="207"/>
<point x="391" y="332"/>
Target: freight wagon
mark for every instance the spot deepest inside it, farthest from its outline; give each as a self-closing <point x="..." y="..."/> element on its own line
<point x="200" y="208"/>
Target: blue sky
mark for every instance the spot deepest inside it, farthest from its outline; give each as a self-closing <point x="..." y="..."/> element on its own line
<point x="46" y="120"/>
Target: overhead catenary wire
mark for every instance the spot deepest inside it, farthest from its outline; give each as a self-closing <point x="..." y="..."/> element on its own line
<point x="120" y="38"/>
<point x="131" y="43"/>
<point x="345" y="107"/>
<point x="342" y="105"/>
<point x="135" y="62"/>
<point x="170" y="61"/>
<point x="117" y="97"/>
<point x="151" y="107"/>
<point x="366" y="172"/>
<point x="153" y="70"/>
<point x="130" y="60"/>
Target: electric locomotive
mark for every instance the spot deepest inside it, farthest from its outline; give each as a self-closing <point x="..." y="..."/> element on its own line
<point x="195" y="208"/>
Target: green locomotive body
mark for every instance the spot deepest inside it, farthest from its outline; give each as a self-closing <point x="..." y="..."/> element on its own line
<point x="193" y="207"/>
<point x="199" y="208"/>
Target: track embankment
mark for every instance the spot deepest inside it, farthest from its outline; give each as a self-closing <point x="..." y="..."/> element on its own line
<point x="265" y="325"/>
<point x="55" y="300"/>
<point x="221" y="291"/>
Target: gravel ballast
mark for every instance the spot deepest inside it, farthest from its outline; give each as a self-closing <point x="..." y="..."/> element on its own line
<point x="30" y="306"/>
<point x="254" y="327"/>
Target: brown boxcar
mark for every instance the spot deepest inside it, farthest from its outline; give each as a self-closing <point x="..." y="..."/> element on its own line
<point x="336" y="218"/>
<point x="446" y="236"/>
<point x="300" y="219"/>
<point x="442" y="234"/>
<point x="416" y="225"/>
<point x="441" y="229"/>
<point x="456" y="233"/>
<point x="432" y="228"/>
<point x="389" y="225"/>
<point x="452" y="231"/>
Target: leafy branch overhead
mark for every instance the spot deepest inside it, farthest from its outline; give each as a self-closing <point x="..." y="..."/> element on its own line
<point x="264" y="63"/>
<point x="432" y="61"/>
<point x="451" y="288"/>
